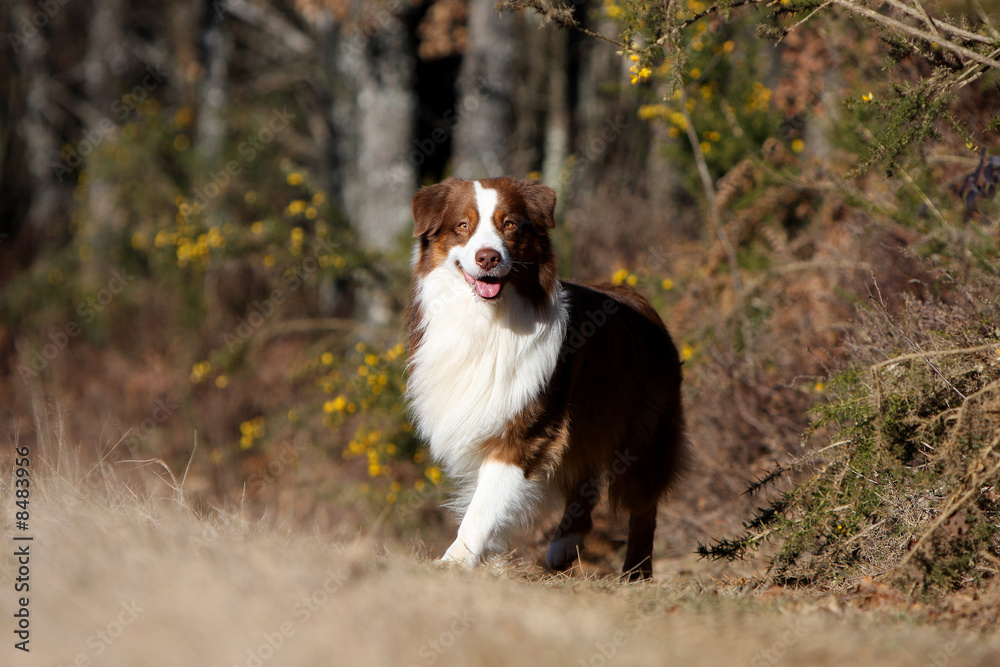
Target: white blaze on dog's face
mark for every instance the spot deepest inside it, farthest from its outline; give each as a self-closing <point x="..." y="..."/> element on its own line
<point x="484" y="229"/>
<point x="484" y="258"/>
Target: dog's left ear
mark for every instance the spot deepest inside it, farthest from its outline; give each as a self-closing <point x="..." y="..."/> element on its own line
<point x="428" y="207"/>
<point x="540" y="201"/>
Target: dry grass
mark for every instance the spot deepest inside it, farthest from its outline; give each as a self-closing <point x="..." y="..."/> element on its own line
<point x="124" y="574"/>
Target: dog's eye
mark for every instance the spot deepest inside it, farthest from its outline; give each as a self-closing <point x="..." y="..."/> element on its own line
<point x="509" y="225"/>
<point x="463" y="225"/>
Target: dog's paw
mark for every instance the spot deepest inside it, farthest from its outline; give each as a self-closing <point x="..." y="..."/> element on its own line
<point x="460" y="555"/>
<point x="564" y="551"/>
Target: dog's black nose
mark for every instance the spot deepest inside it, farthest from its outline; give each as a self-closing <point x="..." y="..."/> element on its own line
<point x="487" y="258"/>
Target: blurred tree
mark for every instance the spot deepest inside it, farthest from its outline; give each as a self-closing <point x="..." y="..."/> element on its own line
<point x="482" y="135"/>
<point x="369" y="49"/>
<point x="216" y="52"/>
<point x="37" y="131"/>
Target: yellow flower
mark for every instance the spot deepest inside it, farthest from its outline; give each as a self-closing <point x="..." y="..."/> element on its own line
<point x="294" y="178"/>
<point x="296" y="207"/>
<point x="649" y="111"/>
<point x="184" y="116"/>
<point x="318" y="198"/>
<point x="818" y="387"/>
<point x="798" y="145"/>
<point x="870" y="97"/>
<point x="360" y="347"/>
<point x="634" y="58"/>
<point x="181" y="143"/>
<point x="371" y="359"/>
<point x="293" y="415"/>
<point x="686" y="352"/>
<point x="667" y="284"/>
<point x="728" y="47"/>
<point x="419" y="485"/>
<point x="631" y="280"/>
<point x="200" y="371"/>
<point x="434" y="474"/>
<point x="55" y="277"/>
<point x="311" y="212"/>
<point x="419" y="456"/>
<point x="139" y="241"/>
<point x="268" y="261"/>
<point x="326" y="358"/>
<point x="619" y="276"/>
<point x="222" y="382"/>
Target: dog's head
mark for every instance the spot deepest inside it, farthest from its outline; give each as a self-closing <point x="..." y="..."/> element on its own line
<point x="491" y="233"/>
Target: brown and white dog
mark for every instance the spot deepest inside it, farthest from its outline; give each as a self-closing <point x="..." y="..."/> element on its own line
<point x="525" y="385"/>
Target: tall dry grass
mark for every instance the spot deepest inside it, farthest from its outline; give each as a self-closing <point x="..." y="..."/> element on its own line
<point x="124" y="572"/>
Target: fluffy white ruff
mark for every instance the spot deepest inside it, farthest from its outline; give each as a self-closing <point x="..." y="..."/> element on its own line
<point x="478" y="365"/>
<point x="502" y="501"/>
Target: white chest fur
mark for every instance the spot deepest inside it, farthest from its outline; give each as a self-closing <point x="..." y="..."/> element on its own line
<point x="478" y="365"/>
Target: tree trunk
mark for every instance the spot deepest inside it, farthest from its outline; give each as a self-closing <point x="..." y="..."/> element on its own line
<point x="102" y="64"/>
<point x="216" y="46"/>
<point x="481" y="145"/>
<point x="45" y="218"/>
<point x="373" y="113"/>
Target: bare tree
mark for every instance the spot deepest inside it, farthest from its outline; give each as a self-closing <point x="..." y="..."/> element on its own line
<point x="482" y="135"/>
<point x="372" y="110"/>
<point x="41" y="143"/>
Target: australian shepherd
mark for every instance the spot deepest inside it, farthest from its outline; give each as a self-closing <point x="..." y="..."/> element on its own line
<point x="527" y="386"/>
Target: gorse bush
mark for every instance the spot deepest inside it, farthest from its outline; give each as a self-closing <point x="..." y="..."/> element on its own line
<point x="902" y="483"/>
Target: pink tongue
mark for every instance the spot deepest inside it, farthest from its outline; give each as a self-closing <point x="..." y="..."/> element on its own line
<point x="483" y="289"/>
<point x="487" y="290"/>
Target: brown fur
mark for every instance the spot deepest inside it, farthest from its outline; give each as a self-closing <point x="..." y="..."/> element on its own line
<point x="611" y="414"/>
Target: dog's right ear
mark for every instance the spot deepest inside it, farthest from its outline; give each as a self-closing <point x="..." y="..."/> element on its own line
<point x="428" y="207"/>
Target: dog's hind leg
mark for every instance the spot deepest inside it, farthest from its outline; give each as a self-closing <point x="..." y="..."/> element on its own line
<point x="504" y="499"/>
<point x="639" y="552"/>
<point x="574" y="526"/>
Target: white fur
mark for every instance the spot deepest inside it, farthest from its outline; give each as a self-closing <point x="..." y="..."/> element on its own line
<point x="485" y="236"/>
<point x="478" y="365"/>
<point x="503" y="499"/>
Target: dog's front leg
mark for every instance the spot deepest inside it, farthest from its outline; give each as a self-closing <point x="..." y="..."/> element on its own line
<point x="504" y="498"/>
